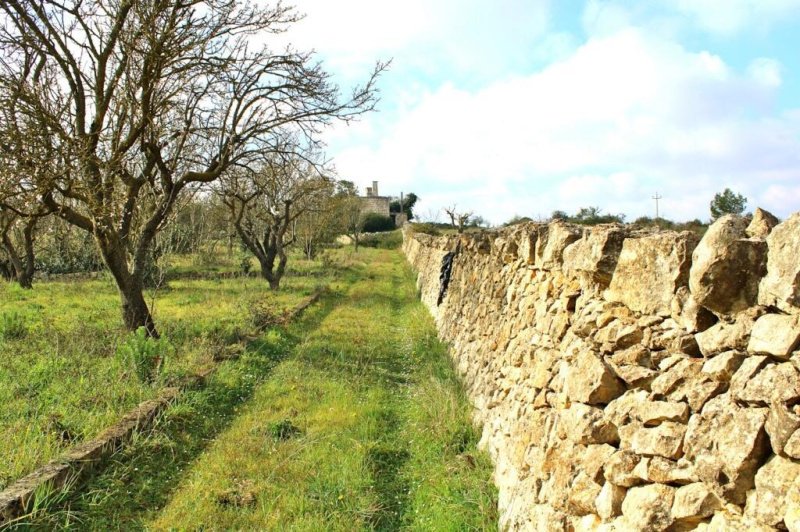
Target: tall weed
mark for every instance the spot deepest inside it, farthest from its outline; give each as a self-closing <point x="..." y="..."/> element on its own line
<point x="12" y="326"/>
<point x="145" y="354"/>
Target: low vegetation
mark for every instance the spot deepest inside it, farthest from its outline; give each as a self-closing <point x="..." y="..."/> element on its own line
<point x="70" y="368"/>
<point x="349" y="418"/>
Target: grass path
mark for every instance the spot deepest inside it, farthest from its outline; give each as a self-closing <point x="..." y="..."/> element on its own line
<point x="352" y="419"/>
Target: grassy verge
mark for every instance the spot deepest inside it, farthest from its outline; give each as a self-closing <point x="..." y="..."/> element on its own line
<point x="63" y="378"/>
<point x="351" y="418"/>
<point x="363" y="426"/>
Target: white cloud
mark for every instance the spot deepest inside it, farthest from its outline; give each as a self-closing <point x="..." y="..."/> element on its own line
<point x="732" y="16"/>
<point x="766" y="71"/>
<point x="461" y="34"/>
<point x="625" y="116"/>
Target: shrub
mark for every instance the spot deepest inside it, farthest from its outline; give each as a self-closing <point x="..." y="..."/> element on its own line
<point x="12" y="326"/>
<point x="391" y="240"/>
<point x="376" y="223"/>
<point x="265" y="316"/>
<point x="426" y="228"/>
<point x="145" y="354"/>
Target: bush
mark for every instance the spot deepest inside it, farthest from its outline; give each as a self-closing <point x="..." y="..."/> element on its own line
<point x="265" y="316"/>
<point x="426" y="228"/>
<point x="145" y="354"/>
<point x="376" y="223"/>
<point x="391" y="240"/>
<point x="12" y="326"/>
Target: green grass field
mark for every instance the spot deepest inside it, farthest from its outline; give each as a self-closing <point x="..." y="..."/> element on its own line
<point x="350" y="418"/>
<point x="62" y="379"/>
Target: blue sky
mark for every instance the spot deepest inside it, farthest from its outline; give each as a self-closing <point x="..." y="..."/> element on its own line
<point x="523" y="107"/>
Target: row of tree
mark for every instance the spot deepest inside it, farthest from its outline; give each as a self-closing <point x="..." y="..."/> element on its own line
<point x="117" y="115"/>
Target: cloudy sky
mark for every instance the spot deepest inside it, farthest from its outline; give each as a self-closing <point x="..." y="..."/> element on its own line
<point x="522" y="107"/>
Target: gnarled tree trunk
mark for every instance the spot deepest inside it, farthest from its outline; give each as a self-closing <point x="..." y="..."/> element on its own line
<point x="135" y="312"/>
<point x="22" y="269"/>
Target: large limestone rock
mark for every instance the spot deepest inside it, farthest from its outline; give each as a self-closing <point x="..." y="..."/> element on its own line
<point x="727" y="442"/>
<point x="782" y="424"/>
<point x="781" y="286"/>
<point x="650" y="270"/>
<point x="725" y="336"/>
<point x="762" y="382"/>
<point x="586" y="425"/>
<point x="590" y="381"/>
<point x="693" y="503"/>
<point x="691" y="316"/>
<point x="727" y="267"/>
<point x="762" y="224"/>
<point x="552" y="240"/>
<point x="775" y="334"/>
<point x="792" y="516"/>
<point x="609" y="501"/>
<point x="595" y="254"/>
<point x="664" y="440"/>
<point x="767" y="503"/>
<point x="649" y="507"/>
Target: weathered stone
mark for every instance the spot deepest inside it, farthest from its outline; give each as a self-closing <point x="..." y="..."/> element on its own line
<point x="595" y="253"/>
<point x="691" y="316"/>
<point x="665" y="471"/>
<point x="650" y="270"/>
<point x="619" y="469"/>
<point x="609" y="501"/>
<point x="594" y="458"/>
<point x="792" y="447"/>
<point x="582" y="494"/>
<point x="586" y="425"/>
<point x="782" y="423"/>
<point x="767" y="503"/>
<point x="619" y="335"/>
<point x="762" y="224"/>
<point x="723" y="366"/>
<point x="792" y="516"/>
<point x="726" y="336"/>
<point x="698" y="391"/>
<point x="727" y="267"/>
<point x="676" y="375"/>
<point x="694" y="502"/>
<point x="649" y="507"/>
<point x="527" y="243"/>
<point x="775" y="334"/>
<point x="773" y="383"/>
<point x="726" y="442"/>
<point x="731" y="522"/>
<point x="590" y="381"/>
<point x="636" y="405"/>
<point x="781" y="285"/>
<point x="552" y="240"/>
<point x="664" y="440"/>
<point x="636" y="355"/>
<point x="634" y="376"/>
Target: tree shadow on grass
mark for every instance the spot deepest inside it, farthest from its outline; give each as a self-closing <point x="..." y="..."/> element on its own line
<point x="133" y="485"/>
<point x="385" y="461"/>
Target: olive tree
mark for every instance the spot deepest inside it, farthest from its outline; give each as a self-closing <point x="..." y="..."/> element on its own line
<point x="146" y="101"/>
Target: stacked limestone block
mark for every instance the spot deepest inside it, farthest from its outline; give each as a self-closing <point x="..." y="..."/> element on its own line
<point x="630" y="381"/>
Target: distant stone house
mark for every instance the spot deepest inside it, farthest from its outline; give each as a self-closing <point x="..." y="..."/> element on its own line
<point x="375" y="203"/>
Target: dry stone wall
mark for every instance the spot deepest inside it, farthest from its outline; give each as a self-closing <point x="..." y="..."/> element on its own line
<point x="630" y="380"/>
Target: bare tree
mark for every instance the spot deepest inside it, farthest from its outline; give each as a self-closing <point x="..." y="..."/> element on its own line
<point x="16" y="230"/>
<point x="458" y="219"/>
<point x="264" y="204"/>
<point x="144" y="102"/>
<point x="350" y="210"/>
